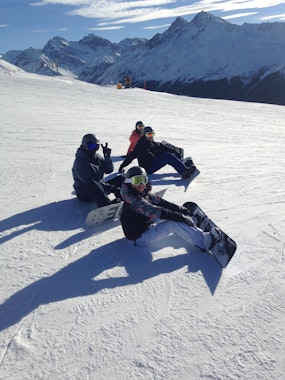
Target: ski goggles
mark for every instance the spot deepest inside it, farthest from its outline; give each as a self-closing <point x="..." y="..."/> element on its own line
<point x="92" y="146"/>
<point x="150" y="134"/>
<point x="137" y="180"/>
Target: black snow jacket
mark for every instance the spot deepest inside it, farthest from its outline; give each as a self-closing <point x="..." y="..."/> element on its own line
<point x="145" y="151"/>
<point x="89" y="167"/>
<point x="140" y="210"/>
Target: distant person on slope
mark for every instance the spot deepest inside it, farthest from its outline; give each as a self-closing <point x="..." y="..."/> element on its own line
<point x="152" y="156"/>
<point x="128" y="82"/>
<point x="141" y="211"/>
<point x="135" y="136"/>
<point x="88" y="170"/>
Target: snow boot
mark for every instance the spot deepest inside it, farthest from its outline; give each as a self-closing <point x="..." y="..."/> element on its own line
<point x="188" y="172"/>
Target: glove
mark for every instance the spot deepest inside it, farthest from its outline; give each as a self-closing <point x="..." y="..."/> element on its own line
<point x="116" y="191"/>
<point x="184" y="211"/>
<point x="176" y="217"/>
<point x="188" y="220"/>
<point x="106" y="151"/>
<point x="148" y="187"/>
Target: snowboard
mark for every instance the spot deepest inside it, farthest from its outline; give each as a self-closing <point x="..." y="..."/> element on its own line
<point x="104" y="214"/>
<point x="225" y="248"/>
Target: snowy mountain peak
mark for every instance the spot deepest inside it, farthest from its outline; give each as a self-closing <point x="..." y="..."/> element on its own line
<point x="179" y="22"/>
<point x="93" y="42"/>
<point x="203" y="19"/>
<point x="56" y="43"/>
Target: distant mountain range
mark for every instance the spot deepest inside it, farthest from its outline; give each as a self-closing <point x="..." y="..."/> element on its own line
<point x="207" y="57"/>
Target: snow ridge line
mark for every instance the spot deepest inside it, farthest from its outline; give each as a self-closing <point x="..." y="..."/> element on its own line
<point x="281" y="241"/>
<point x="2" y="358"/>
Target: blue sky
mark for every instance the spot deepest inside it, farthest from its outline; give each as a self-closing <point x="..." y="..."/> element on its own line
<point x="31" y="23"/>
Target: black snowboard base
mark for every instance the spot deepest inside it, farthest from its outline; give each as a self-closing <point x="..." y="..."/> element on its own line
<point x="224" y="248"/>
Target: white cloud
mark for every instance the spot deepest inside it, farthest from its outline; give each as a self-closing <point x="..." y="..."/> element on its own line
<point x="62" y="2"/>
<point x="49" y="30"/>
<point x="233" y="5"/>
<point x="280" y="17"/>
<point x="157" y="27"/>
<point x="107" y="28"/>
<point x="133" y="11"/>
<point x="4" y="25"/>
<point x="39" y="30"/>
<point x="239" y="15"/>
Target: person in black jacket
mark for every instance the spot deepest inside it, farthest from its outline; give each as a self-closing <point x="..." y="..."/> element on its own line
<point x="141" y="211"/>
<point x="88" y="171"/>
<point x="152" y="156"/>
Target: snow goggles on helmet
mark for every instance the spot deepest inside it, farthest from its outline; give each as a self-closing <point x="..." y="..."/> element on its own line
<point x="92" y="145"/>
<point x="150" y="134"/>
<point x="138" y="180"/>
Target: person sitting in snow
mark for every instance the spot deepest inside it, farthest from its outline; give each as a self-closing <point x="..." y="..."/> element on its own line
<point x="88" y="171"/>
<point x="152" y="156"/>
<point x="128" y="82"/>
<point x="141" y="211"/>
<point x="135" y="136"/>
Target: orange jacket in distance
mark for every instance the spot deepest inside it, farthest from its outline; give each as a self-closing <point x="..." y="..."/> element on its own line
<point x="134" y="138"/>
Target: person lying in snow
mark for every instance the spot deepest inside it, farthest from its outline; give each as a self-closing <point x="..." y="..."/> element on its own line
<point x="152" y="156"/>
<point x="88" y="171"/>
<point x="141" y="210"/>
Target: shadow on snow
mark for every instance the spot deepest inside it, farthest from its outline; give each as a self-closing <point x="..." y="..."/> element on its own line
<point x="64" y="215"/>
<point x="78" y="279"/>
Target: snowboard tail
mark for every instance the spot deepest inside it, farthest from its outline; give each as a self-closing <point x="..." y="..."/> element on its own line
<point x="224" y="249"/>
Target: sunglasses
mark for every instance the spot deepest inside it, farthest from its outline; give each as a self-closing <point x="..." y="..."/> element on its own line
<point x="150" y="134"/>
<point x="140" y="126"/>
<point x="137" y="180"/>
<point x="92" y="146"/>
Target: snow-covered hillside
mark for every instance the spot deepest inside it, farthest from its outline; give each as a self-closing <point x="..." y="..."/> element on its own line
<point x="81" y="303"/>
<point x="207" y="48"/>
<point x="84" y="59"/>
<point x="210" y="57"/>
<point x="207" y="57"/>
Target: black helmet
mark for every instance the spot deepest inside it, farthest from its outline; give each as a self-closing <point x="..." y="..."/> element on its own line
<point x="148" y="130"/>
<point x="90" y="138"/>
<point x="135" y="170"/>
<point x="139" y="123"/>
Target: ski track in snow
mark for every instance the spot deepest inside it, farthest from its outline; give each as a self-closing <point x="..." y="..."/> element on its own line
<point x="81" y="302"/>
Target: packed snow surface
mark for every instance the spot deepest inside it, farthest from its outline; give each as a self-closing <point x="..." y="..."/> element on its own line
<point x="82" y="303"/>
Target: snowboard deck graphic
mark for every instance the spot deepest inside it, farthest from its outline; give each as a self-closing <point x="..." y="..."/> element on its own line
<point x="103" y="214"/>
<point x="225" y="248"/>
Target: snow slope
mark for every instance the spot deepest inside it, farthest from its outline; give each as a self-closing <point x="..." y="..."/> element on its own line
<point x="81" y="303"/>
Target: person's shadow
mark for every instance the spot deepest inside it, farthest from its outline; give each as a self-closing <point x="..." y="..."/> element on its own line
<point x="65" y="215"/>
<point x="161" y="179"/>
<point x="78" y="279"/>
